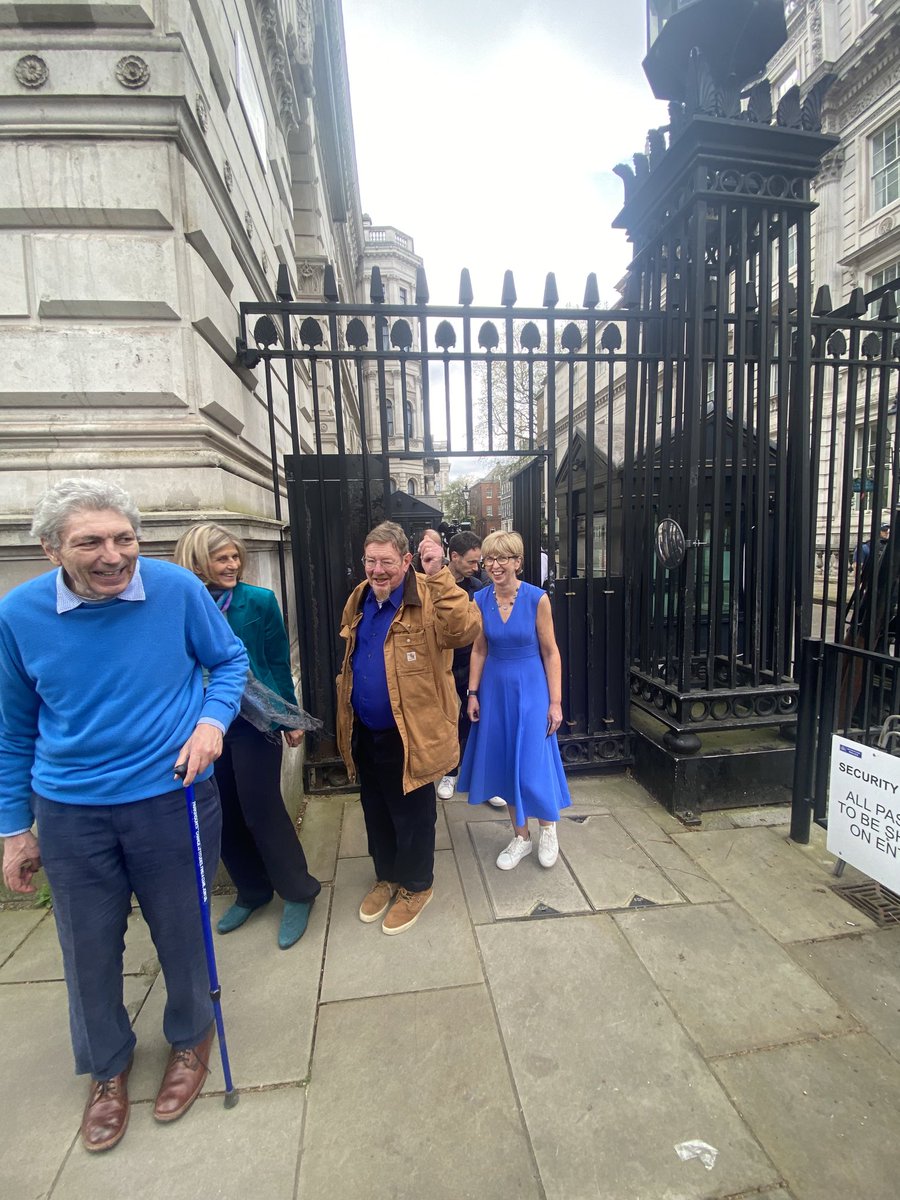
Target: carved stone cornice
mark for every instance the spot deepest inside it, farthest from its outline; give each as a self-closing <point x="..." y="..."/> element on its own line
<point x="300" y="38"/>
<point x="272" y="29"/>
<point x="865" y="75"/>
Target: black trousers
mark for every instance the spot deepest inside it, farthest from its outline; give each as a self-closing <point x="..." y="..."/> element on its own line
<point x="400" y="827"/>
<point x="260" y="848"/>
<point x="463" y="726"/>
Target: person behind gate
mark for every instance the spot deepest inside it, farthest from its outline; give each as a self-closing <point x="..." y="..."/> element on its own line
<point x="101" y="697"/>
<point x="260" y="848"/>
<point x="397" y="712"/>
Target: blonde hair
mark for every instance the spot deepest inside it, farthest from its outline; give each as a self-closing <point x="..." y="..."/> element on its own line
<point x="196" y="547"/>
<point x="503" y="541"/>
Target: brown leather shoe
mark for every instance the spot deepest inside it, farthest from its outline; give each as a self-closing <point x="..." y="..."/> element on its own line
<point x="185" y="1075"/>
<point x="406" y="911"/>
<point x="375" y="903"/>
<point x="106" y="1112"/>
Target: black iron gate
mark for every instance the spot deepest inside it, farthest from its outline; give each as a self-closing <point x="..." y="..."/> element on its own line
<point x="354" y="391"/>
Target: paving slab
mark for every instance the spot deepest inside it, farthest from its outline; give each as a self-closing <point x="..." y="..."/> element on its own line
<point x="609" y="790"/>
<point x="610" y="866"/>
<point x="529" y="888"/>
<point x="762" y="997"/>
<point x="864" y="973"/>
<point x="777" y="886"/>
<point x="410" y="1097"/>
<point x="469" y="868"/>
<point x="320" y="835"/>
<point x="693" y="882"/>
<point x="268" y="1004"/>
<point x="832" y="1130"/>
<point x="15" y="926"/>
<point x="354" y="843"/>
<point x="606" y="1099"/>
<point x="213" y="1153"/>
<point x="439" y="951"/>
<point x="41" y="1097"/>
<point x="772" y="814"/>
<point x="39" y="956"/>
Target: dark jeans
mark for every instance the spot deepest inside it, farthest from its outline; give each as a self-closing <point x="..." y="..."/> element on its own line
<point x="400" y="827"/>
<point x="96" y="855"/>
<point x="463" y="727"/>
<point x="260" y="848"/>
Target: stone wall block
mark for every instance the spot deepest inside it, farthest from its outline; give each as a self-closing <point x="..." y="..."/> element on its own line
<point x="213" y="315"/>
<point x="91" y="71"/>
<point x="69" y="183"/>
<point x="205" y="230"/>
<point x="222" y="396"/>
<point x="102" y="14"/>
<point x="75" y="369"/>
<point x="207" y="17"/>
<point x="13" y="279"/>
<point x="113" y="277"/>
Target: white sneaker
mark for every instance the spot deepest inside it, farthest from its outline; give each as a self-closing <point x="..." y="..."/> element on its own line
<point x="517" y="849"/>
<point x="446" y="787"/>
<point x="548" y="848"/>
<point x="497" y="802"/>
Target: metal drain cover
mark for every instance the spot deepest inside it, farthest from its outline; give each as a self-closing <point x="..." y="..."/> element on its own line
<point x="876" y="901"/>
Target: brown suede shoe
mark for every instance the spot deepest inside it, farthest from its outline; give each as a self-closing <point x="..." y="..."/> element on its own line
<point x="184" y="1077"/>
<point x="376" y="902"/>
<point x="406" y="910"/>
<point x="106" y="1112"/>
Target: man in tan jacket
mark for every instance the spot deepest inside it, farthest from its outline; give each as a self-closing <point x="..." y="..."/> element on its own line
<point x="397" y="711"/>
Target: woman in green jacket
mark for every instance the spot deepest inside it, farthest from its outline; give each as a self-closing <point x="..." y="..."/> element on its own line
<point x="260" y="848"/>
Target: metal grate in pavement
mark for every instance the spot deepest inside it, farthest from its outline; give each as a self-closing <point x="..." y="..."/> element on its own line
<point x="876" y="901"/>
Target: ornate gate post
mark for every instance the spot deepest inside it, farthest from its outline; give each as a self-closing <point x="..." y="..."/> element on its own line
<point x="718" y="209"/>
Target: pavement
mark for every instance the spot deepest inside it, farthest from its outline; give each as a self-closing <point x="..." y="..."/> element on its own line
<point x="667" y="1014"/>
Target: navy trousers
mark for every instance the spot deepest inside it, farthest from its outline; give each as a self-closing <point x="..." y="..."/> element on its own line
<point x="260" y="847"/>
<point x="400" y="827"/>
<point x="95" y="857"/>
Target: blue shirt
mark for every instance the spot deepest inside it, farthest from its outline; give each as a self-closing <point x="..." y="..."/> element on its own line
<point x="370" y="697"/>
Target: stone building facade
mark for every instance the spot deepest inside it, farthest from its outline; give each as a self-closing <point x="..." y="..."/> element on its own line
<point x="160" y="162"/>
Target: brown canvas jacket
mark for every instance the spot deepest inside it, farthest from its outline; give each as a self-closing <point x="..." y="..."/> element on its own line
<point x="434" y="618"/>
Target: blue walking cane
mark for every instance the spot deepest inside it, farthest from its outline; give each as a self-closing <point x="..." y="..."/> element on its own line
<point x="215" y="991"/>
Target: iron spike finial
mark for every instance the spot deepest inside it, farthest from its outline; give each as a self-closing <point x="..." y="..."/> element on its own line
<point x="329" y="286"/>
<point x="283" y="284"/>
<point x="376" y="287"/>
<point x="508" y="296"/>
<point x="591" y="291"/>
<point x="551" y="292"/>
<point x="823" y="305"/>
<point x="421" y="286"/>
<point x="466" y="295"/>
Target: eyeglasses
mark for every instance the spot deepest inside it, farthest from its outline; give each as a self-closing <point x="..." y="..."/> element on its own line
<point x="387" y="564"/>
<point x="500" y="559"/>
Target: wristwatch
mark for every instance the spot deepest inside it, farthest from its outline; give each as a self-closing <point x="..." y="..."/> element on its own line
<point x="472" y="691"/>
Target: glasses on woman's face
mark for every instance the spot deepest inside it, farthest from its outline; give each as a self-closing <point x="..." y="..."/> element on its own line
<point x="386" y="564"/>
<point x="500" y="559"/>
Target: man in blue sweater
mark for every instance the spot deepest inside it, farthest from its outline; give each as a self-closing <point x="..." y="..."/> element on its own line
<point x="101" y="696"/>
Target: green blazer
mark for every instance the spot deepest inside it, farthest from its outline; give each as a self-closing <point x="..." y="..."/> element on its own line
<point x="255" y="617"/>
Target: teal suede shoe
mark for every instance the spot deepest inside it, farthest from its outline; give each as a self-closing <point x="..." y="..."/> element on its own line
<point x="235" y="916"/>
<point x="293" y="922"/>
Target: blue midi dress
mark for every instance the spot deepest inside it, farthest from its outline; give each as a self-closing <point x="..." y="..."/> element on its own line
<point x="508" y="753"/>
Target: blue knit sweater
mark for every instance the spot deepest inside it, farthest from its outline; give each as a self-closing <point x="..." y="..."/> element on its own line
<point x="95" y="703"/>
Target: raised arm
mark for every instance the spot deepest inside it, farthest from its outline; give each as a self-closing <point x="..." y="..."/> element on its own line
<point x="457" y="618"/>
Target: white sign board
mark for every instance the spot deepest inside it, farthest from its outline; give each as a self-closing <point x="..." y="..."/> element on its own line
<point x="864" y="810"/>
<point x="251" y="100"/>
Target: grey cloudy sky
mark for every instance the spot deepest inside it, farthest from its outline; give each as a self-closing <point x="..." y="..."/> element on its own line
<point x="487" y="130"/>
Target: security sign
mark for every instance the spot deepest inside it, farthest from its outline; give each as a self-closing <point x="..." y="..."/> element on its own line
<point x="864" y="810"/>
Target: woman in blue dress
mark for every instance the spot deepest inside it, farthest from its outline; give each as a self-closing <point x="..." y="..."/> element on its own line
<point x="514" y="703"/>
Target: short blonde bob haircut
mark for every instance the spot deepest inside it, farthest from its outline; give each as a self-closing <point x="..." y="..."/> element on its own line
<point x="504" y="542"/>
<point x="196" y="548"/>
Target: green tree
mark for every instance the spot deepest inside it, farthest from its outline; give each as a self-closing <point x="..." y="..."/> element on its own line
<point x="455" y="499"/>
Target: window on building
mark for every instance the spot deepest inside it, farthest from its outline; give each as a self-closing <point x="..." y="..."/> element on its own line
<point x="489" y="511"/>
<point x="408" y="415"/>
<point x="886" y="165"/>
<point x="383" y="333"/>
<point x="411" y="487"/>
<point x="404" y="296"/>
<point x="784" y="82"/>
<point x="389" y="411"/>
<point x="792" y="247"/>
<point x="886" y="275"/>
<point x="393" y="484"/>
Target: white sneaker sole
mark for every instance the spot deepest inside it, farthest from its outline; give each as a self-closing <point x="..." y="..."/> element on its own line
<point x="497" y="802"/>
